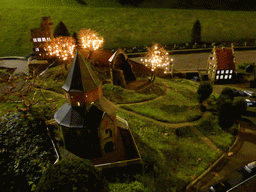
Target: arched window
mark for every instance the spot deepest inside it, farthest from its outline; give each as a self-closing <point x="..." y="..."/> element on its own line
<point x="109" y="132"/>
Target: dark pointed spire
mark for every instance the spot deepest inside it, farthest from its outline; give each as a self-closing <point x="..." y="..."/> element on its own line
<point x="81" y="77"/>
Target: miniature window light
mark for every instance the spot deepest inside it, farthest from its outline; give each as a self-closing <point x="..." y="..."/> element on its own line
<point x="222" y="71"/>
<point x="39" y="39"/>
<point x="221" y="77"/>
<point x="218" y="72"/>
<point x="227" y="71"/>
<point x="36" y="49"/>
<point x="230" y="76"/>
<point x="231" y="71"/>
<point x="226" y="76"/>
<point x="34" y="39"/>
<point x="217" y="77"/>
<point x="48" y="38"/>
<point x="43" y="39"/>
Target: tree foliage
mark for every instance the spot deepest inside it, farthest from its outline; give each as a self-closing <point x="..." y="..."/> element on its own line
<point x="240" y="108"/>
<point x="130" y="2"/>
<point x="228" y="92"/>
<point x="26" y="151"/>
<point x="72" y="175"/>
<point x="204" y="91"/>
<point x="61" y="30"/>
<point x="196" y="32"/>
<point x="226" y="115"/>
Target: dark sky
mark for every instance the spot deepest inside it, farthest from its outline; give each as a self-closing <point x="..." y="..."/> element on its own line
<point x="245" y="5"/>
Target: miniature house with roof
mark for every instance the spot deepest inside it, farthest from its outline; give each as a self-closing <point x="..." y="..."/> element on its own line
<point x="90" y="127"/>
<point x="221" y="64"/>
<point x="121" y="69"/>
<point x="40" y="36"/>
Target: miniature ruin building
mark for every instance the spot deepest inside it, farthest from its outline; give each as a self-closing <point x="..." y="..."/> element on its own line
<point x="88" y="120"/>
<point x="121" y="69"/>
<point x="40" y="36"/>
<point x="221" y="64"/>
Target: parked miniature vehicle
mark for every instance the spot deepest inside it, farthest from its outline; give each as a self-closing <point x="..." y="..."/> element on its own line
<point x="238" y="93"/>
<point x="250" y="93"/>
<point x="251" y="167"/>
<point x="222" y="186"/>
<point x="250" y="103"/>
<point x="248" y="170"/>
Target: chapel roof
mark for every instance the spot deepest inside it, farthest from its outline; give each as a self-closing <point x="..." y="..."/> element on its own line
<point x="81" y="77"/>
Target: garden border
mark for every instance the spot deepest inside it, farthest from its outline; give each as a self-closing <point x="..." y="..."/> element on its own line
<point x="192" y="187"/>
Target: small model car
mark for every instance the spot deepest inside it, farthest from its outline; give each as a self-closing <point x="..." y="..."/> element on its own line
<point x="222" y="186"/>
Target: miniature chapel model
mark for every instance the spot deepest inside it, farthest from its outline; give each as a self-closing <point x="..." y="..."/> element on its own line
<point x="221" y="64"/>
<point x="87" y="119"/>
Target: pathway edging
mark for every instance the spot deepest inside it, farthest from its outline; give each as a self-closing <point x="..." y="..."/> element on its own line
<point x="196" y="184"/>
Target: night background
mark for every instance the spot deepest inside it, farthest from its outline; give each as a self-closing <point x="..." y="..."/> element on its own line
<point x="193" y="4"/>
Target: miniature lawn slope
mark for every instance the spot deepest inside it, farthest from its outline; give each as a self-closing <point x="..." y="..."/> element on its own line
<point x="171" y="162"/>
<point x="55" y="77"/>
<point x="120" y="27"/>
<point x="180" y="104"/>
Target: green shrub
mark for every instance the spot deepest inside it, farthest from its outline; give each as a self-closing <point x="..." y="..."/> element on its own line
<point x="228" y="92"/>
<point x="204" y="91"/>
<point x="240" y="108"/>
<point x="72" y="175"/>
<point x="226" y="115"/>
<point x="183" y="132"/>
<point x="206" y="125"/>
<point x="127" y="187"/>
<point x="26" y="151"/>
<point x="244" y="65"/>
<point x="221" y="100"/>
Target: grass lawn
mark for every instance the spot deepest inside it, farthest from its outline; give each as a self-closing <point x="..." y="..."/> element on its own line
<point x="180" y="104"/>
<point x="210" y="128"/>
<point x="120" y="27"/>
<point x="170" y="162"/>
<point x="175" y="160"/>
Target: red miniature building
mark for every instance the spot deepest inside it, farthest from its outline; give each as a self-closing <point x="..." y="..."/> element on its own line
<point x="221" y="64"/>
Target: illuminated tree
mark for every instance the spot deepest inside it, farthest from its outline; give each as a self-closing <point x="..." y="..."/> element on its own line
<point x="156" y="57"/>
<point x="63" y="48"/>
<point x="89" y="40"/>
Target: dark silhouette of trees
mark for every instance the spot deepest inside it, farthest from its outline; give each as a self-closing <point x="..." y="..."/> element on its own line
<point x="228" y="92"/>
<point x="196" y="33"/>
<point x="81" y="2"/>
<point x="226" y="115"/>
<point x="240" y="108"/>
<point x="75" y="37"/>
<point x="72" y="175"/>
<point x="204" y="91"/>
<point x="130" y="2"/>
<point x="61" y="30"/>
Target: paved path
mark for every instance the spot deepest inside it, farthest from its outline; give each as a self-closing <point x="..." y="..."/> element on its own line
<point x="21" y="65"/>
